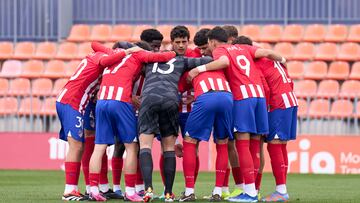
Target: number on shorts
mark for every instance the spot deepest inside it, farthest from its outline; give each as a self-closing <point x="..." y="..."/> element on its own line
<point x="80" y="122"/>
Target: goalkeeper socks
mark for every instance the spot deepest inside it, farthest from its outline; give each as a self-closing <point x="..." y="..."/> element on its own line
<point x="146" y="165"/>
<point x="130" y="180"/>
<point x="285" y="157"/>
<point x="117" y="165"/>
<point x="104" y="170"/>
<point x="189" y="165"/>
<point x="277" y="163"/>
<point x="236" y="172"/>
<point x="221" y="164"/>
<point x="161" y="166"/>
<point x="197" y="168"/>
<point x="169" y="170"/>
<point x="255" y="154"/>
<point x="72" y="173"/>
<point x="88" y="150"/>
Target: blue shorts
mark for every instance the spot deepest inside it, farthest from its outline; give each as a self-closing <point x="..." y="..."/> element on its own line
<point x="251" y="116"/>
<point x="282" y="124"/>
<point x="89" y="116"/>
<point x="115" y="119"/>
<point x="71" y="122"/>
<point x="211" y="111"/>
<point x="182" y="122"/>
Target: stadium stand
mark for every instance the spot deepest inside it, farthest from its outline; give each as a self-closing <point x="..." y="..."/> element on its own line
<point x="45" y="50"/>
<point x="6" y="50"/>
<point x="121" y="33"/>
<point x="286" y="49"/>
<point x="296" y="69"/>
<point x="316" y="70"/>
<point x="314" y="33"/>
<point x="100" y="33"/>
<point x="32" y="69"/>
<point x="293" y="33"/>
<point x="41" y="87"/>
<point x="24" y="50"/>
<point x="79" y="33"/>
<point x="67" y="51"/>
<point x="336" y="33"/>
<point x="251" y="30"/>
<point x="19" y="87"/>
<point x="328" y="89"/>
<point x="55" y="69"/>
<point x="338" y="70"/>
<point x="319" y="108"/>
<point x="271" y="33"/>
<point x="304" y="51"/>
<point x="11" y="68"/>
<point x="355" y="71"/>
<point x="341" y="108"/>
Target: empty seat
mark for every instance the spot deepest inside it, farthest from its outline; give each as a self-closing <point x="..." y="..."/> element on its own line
<point x="165" y="30"/>
<point x="349" y="52"/>
<point x="336" y="33"/>
<point x="192" y="30"/>
<point x="295" y="69"/>
<point x="354" y="33"/>
<point x="206" y="26"/>
<point x="45" y="50"/>
<point x="304" y="51"/>
<point x="252" y="31"/>
<point x="314" y="33"/>
<point x="24" y="50"/>
<point x="58" y="85"/>
<point x="71" y="67"/>
<point x="328" y="88"/>
<point x="42" y="87"/>
<point x="79" y="33"/>
<point x="326" y="51"/>
<point x="121" y="33"/>
<point x="19" y="86"/>
<point x="55" y="69"/>
<point x="265" y="45"/>
<point x="271" y="33"/>
<point x="8" y="105"/>
<point x="319" y="108"/>
<point x="30" y="106"/>
<point x="4" y="86"/>
<point x="49" y="106"/>
<point x="84" y="50"/>
<point x="338" y="70"/>
<point x="6" y="50"/>
<point x="11" y="68"/>
<point x="67" y="51"/>
<point x="350" y="89"/>
<point x="316" y="70"/>
<point x="138" y="30"/>
<point x="355" y="71"/>
<point x="101" y="32"/>
<point x="285" y="49"/>
<point x="303" y="108"/>
<point x="357" y="110"/>
<point x="342" y="108"/>
<point x="305" y="88"/>
<point x="32" y="69"/>
<point x="293" y="33"/>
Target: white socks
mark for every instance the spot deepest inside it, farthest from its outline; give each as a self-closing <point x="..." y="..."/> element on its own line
<point x="281" y="189"/>
<point x="225" y="189"/>
<point x="129" y="191"/>
<point x="138" y="188"/>
<point x="88" y="189"/>
<point x="70" y="188"/>
<point x="241" y="186"/>
<point x="189" y="191"/>
<point x="250" y="189"/>
<point x="217" y="191"/>
<point x="94" y="190"/>
<point x="116" y="187"/>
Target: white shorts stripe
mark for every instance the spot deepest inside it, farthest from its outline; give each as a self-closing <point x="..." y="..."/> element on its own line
<point x="244" y="91"/>
<point x="292" y="99"/>
<point x="220" y="83"/>
<point x="227" y="86"/>
<point x="203" y="86"/>
<point x="252" y="89"/>
<point x="286" y="100"/>
<point x="261" y="94"/>
<point x="119" y="93"/>
<point x="111" y="92"/>
<point x="212" y="85"/>
<point x="102" y="94"/>
<point x="61" y="95"/>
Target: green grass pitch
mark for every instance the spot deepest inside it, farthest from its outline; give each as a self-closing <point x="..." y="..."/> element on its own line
<point x="47" y="186"/>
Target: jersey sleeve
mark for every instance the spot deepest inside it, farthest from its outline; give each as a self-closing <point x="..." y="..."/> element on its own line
<point x="98" y="47"/>
<point x="191" y="63"/>
<point x="218" y="52"/>
<point x="107" y="60"/>
<point x="151" y="57"/>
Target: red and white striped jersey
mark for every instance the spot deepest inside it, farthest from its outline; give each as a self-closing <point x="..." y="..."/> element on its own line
<point x="138" y="86"/>
<point x="244" y="77"/>
<point x="118" y="79"/>
<point x="210" y="80"/>
<point x="78" y="90"/>
<point x="280" y="84"/>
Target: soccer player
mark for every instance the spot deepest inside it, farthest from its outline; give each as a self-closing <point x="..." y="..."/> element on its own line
<point x="70" y="105"/>
<point x="282" y="119"/>
<point x="116" y="117"/>
<point x="231" y="32"/>
<point x="159" y="114"/>
<point x="153" y="37"/>
<point x="250" y="113"/>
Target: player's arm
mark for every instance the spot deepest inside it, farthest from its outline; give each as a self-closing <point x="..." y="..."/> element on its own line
<point x="270" y="54"/>
<point x="221" y="63"/>
<point x="116" y="57"/>
<point x="152" y="57"/>
<point x="191" y="63"/>
<point x="98" y="47"/>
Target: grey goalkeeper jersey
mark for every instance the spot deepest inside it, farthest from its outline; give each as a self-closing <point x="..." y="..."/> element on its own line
<point x="161" y="79"/>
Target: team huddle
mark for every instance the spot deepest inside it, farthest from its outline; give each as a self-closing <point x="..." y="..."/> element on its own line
<point x="228" y="87"/>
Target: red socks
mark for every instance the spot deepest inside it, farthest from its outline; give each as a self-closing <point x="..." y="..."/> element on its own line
<point x="72" y="173"/>
<point x="238" y="178"/>
<point x="139" y="178"/>
<point x="226" y="180"/>
<point x="255" y="154"/>
<point x="285" y="156"/>
<point x="130" y="180"/>
<point x="197" y="167"/>
<point x="117" y="165"/>
<point x="104" y="170"/>
<point x="94" y="179"/>
<point x="189" y="164"/>
<point x="277" y="163"/>
<point x="258" y="181"/>
<point x="245" y="161"/>
<point x="221" y="164"/>
<point x="161" y="165"/>
<point x="89" y="148"/>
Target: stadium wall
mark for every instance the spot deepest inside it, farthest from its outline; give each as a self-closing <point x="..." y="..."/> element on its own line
<point x="308" y="154"/>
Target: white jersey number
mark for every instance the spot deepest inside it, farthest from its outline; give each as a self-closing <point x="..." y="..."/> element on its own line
<point x="244" y="64"/>
<point x="79" y="69"/>
<point x="107" y="70"/>
<point x="282" y="72"/>
<point x="168" y="71"/>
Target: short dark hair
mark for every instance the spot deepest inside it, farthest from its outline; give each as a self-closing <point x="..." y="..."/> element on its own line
<point x="219" y="34"/>
<point x="122" y="45"/>
<point x="179" y="31"/>
<point x="143" y="45"/>
<point x="150" y="35"/>
<point x="230" y="30"/>
<point x="243" y="40"/>
<point x="201" y="37"/>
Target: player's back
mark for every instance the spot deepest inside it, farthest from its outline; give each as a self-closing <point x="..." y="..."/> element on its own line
<point x="83" y="82"/>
